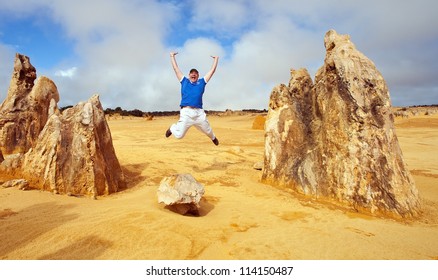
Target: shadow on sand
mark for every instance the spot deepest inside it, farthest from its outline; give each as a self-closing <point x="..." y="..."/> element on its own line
<point x="21" y="229"/>
<point x="191" y="209"/>
<point x="87" y="248"/>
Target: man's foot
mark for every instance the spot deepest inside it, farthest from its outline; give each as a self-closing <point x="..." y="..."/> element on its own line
<point x="168" y="133"/>
<point x="215" y="141"/>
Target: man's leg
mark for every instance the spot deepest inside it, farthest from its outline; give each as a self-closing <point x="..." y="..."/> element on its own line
<point x="180" y="128"/>
<point x="203" y="125"/>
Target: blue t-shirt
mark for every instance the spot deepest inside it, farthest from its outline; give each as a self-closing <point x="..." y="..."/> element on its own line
<point x="191" y="93"/>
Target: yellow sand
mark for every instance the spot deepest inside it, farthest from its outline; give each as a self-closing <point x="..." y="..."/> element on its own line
<point x="241" y="218"/>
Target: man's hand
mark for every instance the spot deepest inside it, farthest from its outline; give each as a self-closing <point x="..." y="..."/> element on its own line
<point x="178" y="72"/>
<point x="210" y="73"/>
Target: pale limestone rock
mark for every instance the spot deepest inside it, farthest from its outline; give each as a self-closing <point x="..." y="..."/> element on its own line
<point x="258" y="165"/>
<point x="11" y="164"/>
<point x="74" y="154"/>
<point x="335" y="139"/>
<point x="26" y="109"/>
<point x="182" y="192"/>
<point x="64" y="153"/>
<point x="20" y="184"/>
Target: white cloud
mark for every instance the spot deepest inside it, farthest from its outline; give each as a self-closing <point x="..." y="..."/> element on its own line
<point x="121" y="51"/>
<point x="6" y="67"/>
<point x="119" y="48"/>
<point x="224" y="17"/>
<point x="260" y="60"/>
<point x="68" y="73"/>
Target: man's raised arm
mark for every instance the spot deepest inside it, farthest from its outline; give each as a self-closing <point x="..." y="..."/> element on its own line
<point x="210" y="73"/>
<point x="178" y="72"/>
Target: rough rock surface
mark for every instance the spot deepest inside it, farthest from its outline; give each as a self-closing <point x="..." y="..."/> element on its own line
<point x="258" y="165"/>
<point x="74" y="153"/>
<point x="20" y="184"/>
<point x="26" y="108"/>
<point x="335" y="139"/>
<point x="70" y="153"/>
<point x="11" y="165"/>
<point x="182" y="192"/>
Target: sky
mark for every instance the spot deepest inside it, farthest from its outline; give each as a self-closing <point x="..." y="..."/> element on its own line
<point x="120" y="49"/>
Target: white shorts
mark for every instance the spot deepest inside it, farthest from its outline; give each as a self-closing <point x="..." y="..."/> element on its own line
<point x="189" y="117"/>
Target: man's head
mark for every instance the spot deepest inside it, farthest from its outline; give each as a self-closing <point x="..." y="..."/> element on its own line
<point x="193" y="75"/>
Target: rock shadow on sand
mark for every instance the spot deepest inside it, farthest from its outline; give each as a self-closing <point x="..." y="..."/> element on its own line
<point x="132" y="173"/>
<point x="22" y="228"/>
<point x="87" y="248"/>
<point x="204" y="208"/>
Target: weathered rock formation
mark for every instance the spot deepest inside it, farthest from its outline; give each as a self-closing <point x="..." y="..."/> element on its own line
<point x="25" y="110"/>
<point x="335" y="139"/>
<point x="20" y="184"/>
<point x="70" y="153"/>
<point x="74" y="153"/>
<point x="181" y="192"/>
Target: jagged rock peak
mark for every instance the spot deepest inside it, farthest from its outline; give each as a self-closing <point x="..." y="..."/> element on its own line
<point x="69" y="153"/>
<point x="24" y="73"/>
<point x="74" y="154"/>
<point x="27" y="107"/>
<point x="335" y="139"/>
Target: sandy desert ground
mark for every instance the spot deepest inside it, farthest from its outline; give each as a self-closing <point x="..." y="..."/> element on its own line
<point x="240" y="218"/>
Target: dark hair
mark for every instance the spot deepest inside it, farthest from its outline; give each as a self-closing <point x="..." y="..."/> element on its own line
<point x="194" y="70"/>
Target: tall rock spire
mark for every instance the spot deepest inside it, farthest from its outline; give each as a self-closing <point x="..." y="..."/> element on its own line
<point x="70" y="152"/>
<point x="335" y="139"/>
<point x="26" y="109"/>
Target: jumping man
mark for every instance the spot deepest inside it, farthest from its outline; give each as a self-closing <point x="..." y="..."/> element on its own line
<point x="191" y="113"/>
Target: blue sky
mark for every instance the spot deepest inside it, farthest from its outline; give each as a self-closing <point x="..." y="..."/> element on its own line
<point x="120" y="48"/>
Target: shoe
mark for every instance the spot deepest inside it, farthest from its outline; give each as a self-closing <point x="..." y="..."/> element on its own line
<point x="168" y="133"/>
<point x="215" y="141"/>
